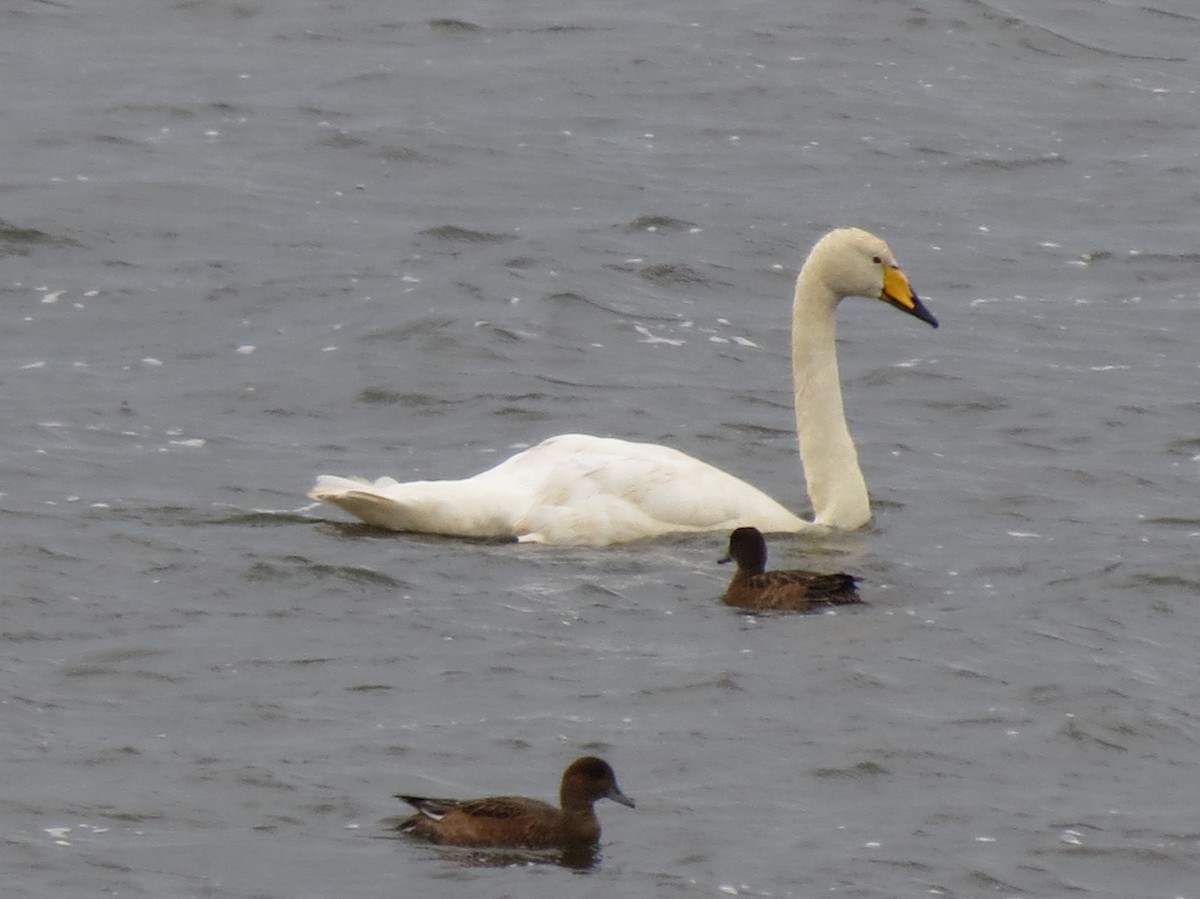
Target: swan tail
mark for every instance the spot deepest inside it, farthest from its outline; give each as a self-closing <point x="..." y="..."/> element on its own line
<point x="451" y="508"/>
<point x="364" y="501"/>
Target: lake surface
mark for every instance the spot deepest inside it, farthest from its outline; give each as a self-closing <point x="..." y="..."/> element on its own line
<point x="243" y="244"/>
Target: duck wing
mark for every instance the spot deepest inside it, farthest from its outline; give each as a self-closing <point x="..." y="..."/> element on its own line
<point x="497" y="807"/>
<point x="797" y="591"/>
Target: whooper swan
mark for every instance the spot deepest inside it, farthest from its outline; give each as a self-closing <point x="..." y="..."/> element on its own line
<point x="584" y="490"/>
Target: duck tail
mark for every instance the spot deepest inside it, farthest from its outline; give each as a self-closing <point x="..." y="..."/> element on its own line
<point x="836" y="589"/>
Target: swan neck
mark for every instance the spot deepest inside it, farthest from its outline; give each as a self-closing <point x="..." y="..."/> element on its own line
<point x="836" y="486"/>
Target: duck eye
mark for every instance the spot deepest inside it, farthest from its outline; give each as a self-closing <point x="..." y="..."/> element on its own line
<point x="877" y="260"/>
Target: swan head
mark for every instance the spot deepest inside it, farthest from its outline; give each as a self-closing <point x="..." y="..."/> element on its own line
<point x="851" y="262"/>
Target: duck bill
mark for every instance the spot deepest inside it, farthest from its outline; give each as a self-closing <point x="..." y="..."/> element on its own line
<point x="897" y="292"/>
<point x="617" y="796"/>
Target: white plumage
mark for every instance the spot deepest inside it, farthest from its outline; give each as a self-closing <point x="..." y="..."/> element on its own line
<point x="579" y="489"/>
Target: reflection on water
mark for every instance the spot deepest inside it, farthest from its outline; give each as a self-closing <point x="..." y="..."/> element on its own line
<point x="579" y="858"/>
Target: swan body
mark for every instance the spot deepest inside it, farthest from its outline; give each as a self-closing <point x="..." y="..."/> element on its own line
<point x="584" y="490"/>
<point x="569" y="489"/>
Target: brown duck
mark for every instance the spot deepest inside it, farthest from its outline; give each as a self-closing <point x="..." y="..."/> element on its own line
<point x="753" y="587"/>
<point x="515" y="822"/>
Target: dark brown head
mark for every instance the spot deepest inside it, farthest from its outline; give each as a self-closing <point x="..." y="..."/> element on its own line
<point x="748" y="548"/>
<point x="588" y="779"/>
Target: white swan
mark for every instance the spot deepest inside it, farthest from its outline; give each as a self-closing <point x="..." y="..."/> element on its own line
<point x="583" y="490"/>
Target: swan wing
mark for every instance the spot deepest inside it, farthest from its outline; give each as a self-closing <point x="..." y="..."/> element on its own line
<point x="600" y="490"/>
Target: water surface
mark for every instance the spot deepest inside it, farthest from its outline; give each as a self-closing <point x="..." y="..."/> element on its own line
<point x="244" y="244"/>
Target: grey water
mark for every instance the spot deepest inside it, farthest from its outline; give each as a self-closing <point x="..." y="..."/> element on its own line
<point x="246" y="243"/>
